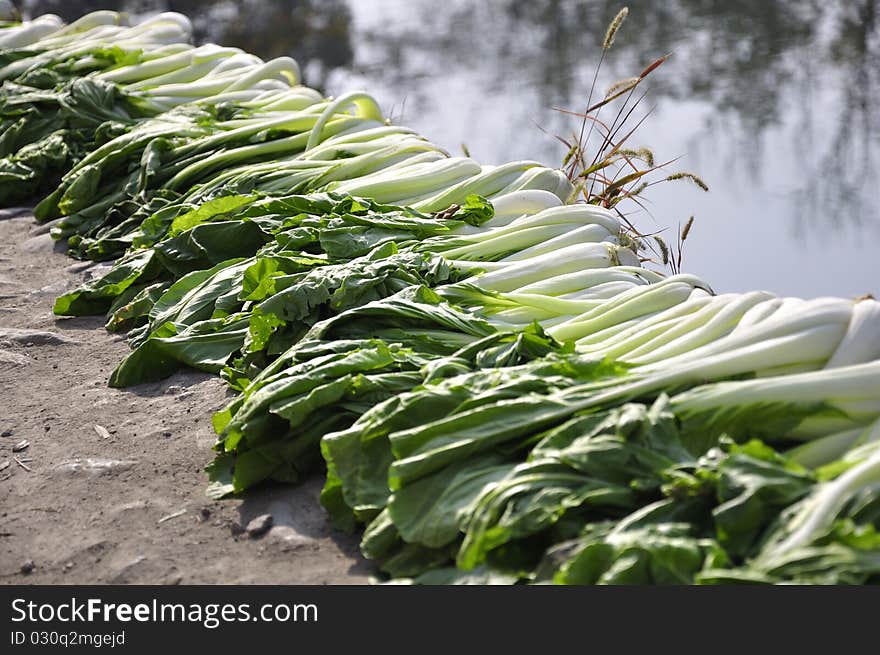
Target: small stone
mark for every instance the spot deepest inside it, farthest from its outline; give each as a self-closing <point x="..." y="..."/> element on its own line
<point x="12" y="358"/>
<point x="94" y="467"/>
<point x="6" y="433"/>
<point x="28" y="567"/>
<point x="166" y="433"/>
<point x="34" y="337"/>
<point x="259" y="526"/>
<point x="21" y="445"/>
<point x="4" y="465"/>
<point x="79" y="267"/>
<point x="205" y="513"/>
<point x="235" y="528"/>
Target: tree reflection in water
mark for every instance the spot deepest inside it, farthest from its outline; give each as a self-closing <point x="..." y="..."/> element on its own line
<point x="759" y="64"/>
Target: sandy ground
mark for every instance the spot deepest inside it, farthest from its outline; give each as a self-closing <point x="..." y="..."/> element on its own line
<point x="110" y="488"/>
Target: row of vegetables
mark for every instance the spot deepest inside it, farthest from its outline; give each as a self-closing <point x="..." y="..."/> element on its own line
<point x="497" y="387"/>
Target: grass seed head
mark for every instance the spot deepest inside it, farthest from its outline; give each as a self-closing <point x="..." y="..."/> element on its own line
<point x="613" y="27"/>
<point x="622" y="85"/>
<point x="664" y="249"/>
<point x="687" y="229"/>
<point x="688" y="176"/>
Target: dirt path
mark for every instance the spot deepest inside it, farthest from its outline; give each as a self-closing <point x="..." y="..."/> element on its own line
<point x="124" y="502"/>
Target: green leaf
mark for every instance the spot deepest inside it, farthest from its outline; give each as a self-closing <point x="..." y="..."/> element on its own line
<point x="431" y="511"/>
<point x="96" y="296"/>
<point x="751" y="493"/>
<point x="664" y="553"/>
<point x="210" y="210"/>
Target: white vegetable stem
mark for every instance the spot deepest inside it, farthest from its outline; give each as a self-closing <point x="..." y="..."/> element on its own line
<point x="819" y="510"/>
<point x="862" y="340"/>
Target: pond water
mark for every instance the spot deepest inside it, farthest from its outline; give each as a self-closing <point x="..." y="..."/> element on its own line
<point x="771" y="102"/>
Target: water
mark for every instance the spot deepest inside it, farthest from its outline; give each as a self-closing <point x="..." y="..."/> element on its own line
<point x="770" y="101"/>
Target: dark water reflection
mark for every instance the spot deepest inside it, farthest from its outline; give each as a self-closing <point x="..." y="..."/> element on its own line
<point x="771" y="101"/>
